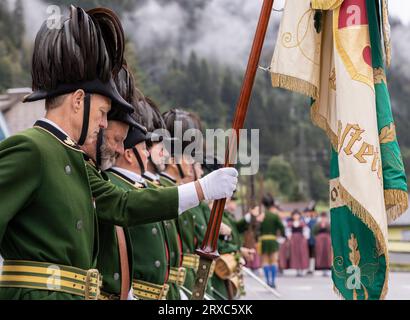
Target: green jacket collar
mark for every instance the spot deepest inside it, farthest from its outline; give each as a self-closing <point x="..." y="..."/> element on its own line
<point x="59" y="135"/>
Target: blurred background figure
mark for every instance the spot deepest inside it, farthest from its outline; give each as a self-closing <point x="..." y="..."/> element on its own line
<point x="323" y="246"/>
<point x="310" y="218"/>
<point x="270" y="229"/>
<point x="298" y="234"/>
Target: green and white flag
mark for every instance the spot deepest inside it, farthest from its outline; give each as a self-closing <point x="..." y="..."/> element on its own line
<point x="331" y="50"/>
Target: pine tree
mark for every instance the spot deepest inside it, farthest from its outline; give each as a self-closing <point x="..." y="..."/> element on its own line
<point x="17" y="25"/>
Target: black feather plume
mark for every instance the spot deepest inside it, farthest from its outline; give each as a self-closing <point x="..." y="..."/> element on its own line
<point x="89" y="45"/>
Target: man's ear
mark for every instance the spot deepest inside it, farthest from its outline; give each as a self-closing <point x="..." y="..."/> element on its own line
<point x="77" y="100"/>
<point x="129" y="156"/>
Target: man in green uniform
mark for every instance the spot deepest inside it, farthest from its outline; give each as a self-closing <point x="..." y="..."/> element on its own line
<point x="149" y="115"/>
<point x="271" y="228"/>
<point x="180" y="167"/>
<point x="115" y="261"/>
<point x="47" y="216"/>
<point x="150" y="263"/>
<point x="43" y="259"/>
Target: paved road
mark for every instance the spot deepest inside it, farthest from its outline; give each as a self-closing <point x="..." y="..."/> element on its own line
<point x="318" y="287"/>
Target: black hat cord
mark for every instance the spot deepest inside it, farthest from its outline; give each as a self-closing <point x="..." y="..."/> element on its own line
<point x="86" y="119"/>
<point x="181" y="172"/>
<point x="139" y="159"/>
<point x="99" y="145"/>
<point x="156" y="169"/>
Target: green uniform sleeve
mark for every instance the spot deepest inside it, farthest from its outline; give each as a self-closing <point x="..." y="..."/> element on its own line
<point x="227" y="247"/>
<point x="242" y="225"/>
<point x="128" y="208"/>
<point x="20" y="177"/>
<point x="280" y="225"/>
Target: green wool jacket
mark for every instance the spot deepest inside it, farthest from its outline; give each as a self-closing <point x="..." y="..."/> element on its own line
<point x="147" y="263"/>
<point x="186" y="226"/>
<point x="49" y="200"/>
<point x="201" y="223"/>
<point x="174" y="244"/>
<point x="271" y="225"/>
<point x="186" y="230"/>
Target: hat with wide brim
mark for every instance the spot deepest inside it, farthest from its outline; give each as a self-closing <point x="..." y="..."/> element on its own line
<point x="136" y="135"/>
<point x="86" y="52"/>
<point x="96" y="86"/>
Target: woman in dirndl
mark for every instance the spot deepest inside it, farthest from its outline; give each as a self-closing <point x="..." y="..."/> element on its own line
<point x="321" y="232"/>
<point x="298" y="233"/>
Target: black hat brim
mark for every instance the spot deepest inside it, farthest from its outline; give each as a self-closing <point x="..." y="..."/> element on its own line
<point x="107" y="89"/>
<point x="117" y="115"/>
<point x="135" y="136"/>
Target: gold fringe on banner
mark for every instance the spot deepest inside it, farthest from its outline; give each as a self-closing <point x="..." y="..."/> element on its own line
<point x="397" y="202"/>
<point x="359" y="211"/>
<point x="326" y="4"/>
<point x="386" y="33"/>
<point x="294" y="84"/>
<point x="321" y="122"/>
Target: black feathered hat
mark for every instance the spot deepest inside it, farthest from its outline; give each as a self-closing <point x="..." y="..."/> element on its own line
<point x="136" y="135"/>
<point x="124" y="82"/>
<point x="148" y="115"/>
<point x="187" y="122"/>
<point x="83" y="54"/>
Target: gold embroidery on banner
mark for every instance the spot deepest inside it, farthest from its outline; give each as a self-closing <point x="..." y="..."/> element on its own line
<point x="379" y="76"/>
<point x="354" y="274"/>
<point x="336" y="200"/>
<point x="366" y="149"/>
<point x="332" y="79"/>
<point x="388" y="134"/>
<point x="287" y="37"/>
<point x="354" y="257"/>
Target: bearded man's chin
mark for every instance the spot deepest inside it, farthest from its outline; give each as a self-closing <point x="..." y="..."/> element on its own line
<point x="107" y="164"/>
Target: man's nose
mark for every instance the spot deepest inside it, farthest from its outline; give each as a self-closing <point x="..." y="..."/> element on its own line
<point x="104" y="122"/>
<point x="120" y="148"/>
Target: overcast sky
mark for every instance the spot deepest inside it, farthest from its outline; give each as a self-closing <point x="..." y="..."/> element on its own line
<point x="400" y="8"/>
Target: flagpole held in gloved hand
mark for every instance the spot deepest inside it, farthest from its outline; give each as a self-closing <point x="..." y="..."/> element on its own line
<point x="208" y="251"/>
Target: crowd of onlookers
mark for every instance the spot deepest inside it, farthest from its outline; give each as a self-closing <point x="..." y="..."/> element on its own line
<point x="298" y="240"/>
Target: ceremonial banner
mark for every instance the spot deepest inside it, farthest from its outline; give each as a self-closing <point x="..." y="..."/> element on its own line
<point x="331" y="50"/>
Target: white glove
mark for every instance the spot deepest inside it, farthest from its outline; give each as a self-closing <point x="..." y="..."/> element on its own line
<point x="219" y="184"/>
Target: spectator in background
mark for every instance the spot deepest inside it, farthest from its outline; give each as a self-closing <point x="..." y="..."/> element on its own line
<point x="323" y="250"/>
<point x="270" y="229"/>
<point x="298" y="234"/>
<point x="310" y="218"/>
